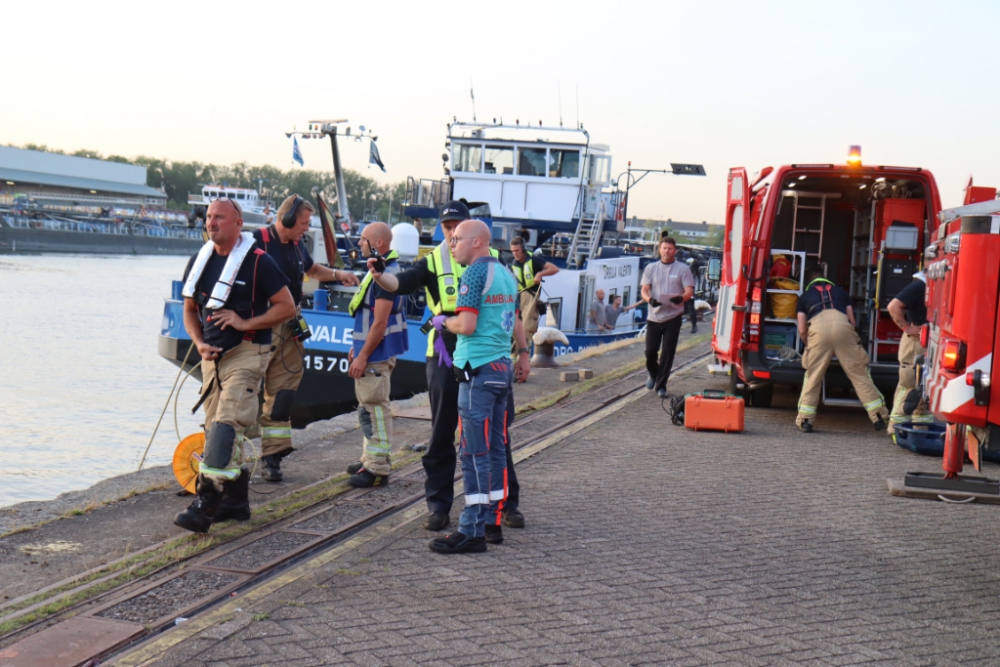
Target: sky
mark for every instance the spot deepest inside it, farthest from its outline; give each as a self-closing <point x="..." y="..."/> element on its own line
<point x="715" y="82"/>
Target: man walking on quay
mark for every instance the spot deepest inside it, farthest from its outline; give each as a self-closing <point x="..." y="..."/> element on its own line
<point x="234" y="294"/>
<point x="909" y="312"/>
<point x="484" y="322"/>
<point x="826" y="323"/>
<point x="529" y="271"/>
<point x="281" y="241"/>
<point x="438" y="273"/>
<point x="379" y="337"/>
<point x="666" y="285"/>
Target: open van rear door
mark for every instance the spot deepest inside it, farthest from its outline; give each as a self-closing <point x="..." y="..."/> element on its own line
<point x="731" y="312"/>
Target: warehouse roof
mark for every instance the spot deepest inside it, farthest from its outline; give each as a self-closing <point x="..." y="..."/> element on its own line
<point x="22" y="178"/>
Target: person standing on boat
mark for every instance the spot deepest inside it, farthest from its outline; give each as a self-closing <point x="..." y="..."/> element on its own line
<point x="234" y="294"/>
<point x="281" y="241"/>
<point x="666" y="285"/>
<point x="529" y="271"/>
<point x="438" y="273"/>
<point x="379" y="337"/>
<point x="826" y="322"/>
<point x="597" y="319"/>
<point x="614" y="309"/>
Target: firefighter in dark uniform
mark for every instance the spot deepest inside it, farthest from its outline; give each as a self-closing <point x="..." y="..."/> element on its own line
<point x="233" y="295"/>
<point x="438" y="274"/>
<point x="281" y="241"/>
<point x="909" y="312"/>
<point x="826" y="323"/>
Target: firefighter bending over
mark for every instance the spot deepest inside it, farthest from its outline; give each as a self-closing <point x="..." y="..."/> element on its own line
<point x="826" y="323"/>
<point x="909" y="312"/>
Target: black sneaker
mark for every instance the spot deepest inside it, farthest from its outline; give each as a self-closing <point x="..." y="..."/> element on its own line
<point x="354" y="468"/>
<point x="457" y="543"/>
<point x="662" y="392"/>
<point x="513" y="518"/>
<point x="806" y="427"/>
<point x="879" y="424"/>
<point x="650" y="383"/>
<point x="494" y="535"/>
<point x="437" y="521"/>
<point x="694" y="330"/>
<point x="364" y="479"/>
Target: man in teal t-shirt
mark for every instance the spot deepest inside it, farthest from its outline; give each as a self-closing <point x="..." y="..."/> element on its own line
<point x="485" y="317"/>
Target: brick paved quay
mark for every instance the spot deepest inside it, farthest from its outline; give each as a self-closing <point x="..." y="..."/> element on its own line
<point x="648" y="544"/>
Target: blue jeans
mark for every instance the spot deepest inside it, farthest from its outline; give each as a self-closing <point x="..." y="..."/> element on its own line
<point x="482" y="411"/>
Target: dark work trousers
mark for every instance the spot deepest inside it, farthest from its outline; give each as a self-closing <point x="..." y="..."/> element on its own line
<point x="691" y="313"/>
<point x="661" y="337"/>
<point x="440" y="459"/>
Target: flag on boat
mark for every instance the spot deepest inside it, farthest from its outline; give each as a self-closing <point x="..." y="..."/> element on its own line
<point x="296" y="152"/>
<point x="333" y="257"/>
<point x="373" y="157"/>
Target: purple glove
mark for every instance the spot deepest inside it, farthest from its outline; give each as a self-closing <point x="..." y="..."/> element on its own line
<point x="442" y="351"/>
<point x="438" y="322"/>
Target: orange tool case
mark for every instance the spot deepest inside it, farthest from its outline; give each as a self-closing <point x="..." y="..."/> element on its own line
<point x="713" y="410"/>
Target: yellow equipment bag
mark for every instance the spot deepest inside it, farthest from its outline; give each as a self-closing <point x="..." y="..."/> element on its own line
<point x="783" y="305"/>
<point x="187" y="460"/>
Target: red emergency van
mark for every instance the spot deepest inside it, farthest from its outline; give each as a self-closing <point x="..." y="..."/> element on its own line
<point x="867" y="225"/>
<point x="961" y="336"/>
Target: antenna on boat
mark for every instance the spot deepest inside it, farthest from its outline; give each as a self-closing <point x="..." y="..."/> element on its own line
<point x="472" y="94"/>
<point x="559" y="89"/>
<point x="578" y="106"/>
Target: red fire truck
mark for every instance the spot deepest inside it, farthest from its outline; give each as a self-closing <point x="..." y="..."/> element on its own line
<point x="867" y="225"/>
<point x="963" y="301"/>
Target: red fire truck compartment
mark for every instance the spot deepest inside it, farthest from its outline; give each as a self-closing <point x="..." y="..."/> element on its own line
<point x="867" y="226"/>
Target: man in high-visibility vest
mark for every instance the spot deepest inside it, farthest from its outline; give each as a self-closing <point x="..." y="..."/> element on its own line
<point x="529" y="272"/>
<point x="826" y="322"/>
<point x="438" y="274"/>
<point x="379" y="337"/>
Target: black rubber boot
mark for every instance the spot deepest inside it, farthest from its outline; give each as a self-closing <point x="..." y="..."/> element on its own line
<point x="271" y="467"/>
<point x="198" y="516"/>
<point x="355" y="468"/>
<point x="235" y="505"/>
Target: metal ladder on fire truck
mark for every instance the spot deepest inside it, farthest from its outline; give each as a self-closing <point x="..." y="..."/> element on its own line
<point x="587" y="238"/>
<point x="806" y="227"/>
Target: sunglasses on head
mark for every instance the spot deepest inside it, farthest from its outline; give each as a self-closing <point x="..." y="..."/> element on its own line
<point x="231" y="201"/>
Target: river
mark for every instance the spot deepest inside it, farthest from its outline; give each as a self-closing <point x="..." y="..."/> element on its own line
<point x="81" y="383"/>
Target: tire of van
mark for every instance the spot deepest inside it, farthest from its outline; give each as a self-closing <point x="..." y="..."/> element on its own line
<point x="761" y="396"/>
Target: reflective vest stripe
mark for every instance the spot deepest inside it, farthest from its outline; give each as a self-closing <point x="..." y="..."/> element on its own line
<point x="398" y="327"/>
<point x="366" y="283"/>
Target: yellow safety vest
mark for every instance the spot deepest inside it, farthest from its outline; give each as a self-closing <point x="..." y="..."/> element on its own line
<point x="448" y="273"/>
<point x="366" y="282"/>
<point x="525" y="274"/>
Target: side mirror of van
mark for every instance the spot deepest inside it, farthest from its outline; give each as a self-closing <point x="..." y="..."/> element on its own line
<point x="715" y="269"/>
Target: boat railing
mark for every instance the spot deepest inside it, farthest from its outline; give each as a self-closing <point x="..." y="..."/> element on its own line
<point x="102" y="227"/>
<point x="103" y="199"/>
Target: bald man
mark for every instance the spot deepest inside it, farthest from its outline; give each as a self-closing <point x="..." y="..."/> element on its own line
<point x="379" y="337"/>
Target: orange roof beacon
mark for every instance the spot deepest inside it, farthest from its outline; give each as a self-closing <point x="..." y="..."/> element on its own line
<point x="867" y="226"/>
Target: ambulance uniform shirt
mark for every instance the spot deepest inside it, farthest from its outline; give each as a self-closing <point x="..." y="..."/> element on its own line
<point x="293" y="259"/>
<point x="665" y="281"/>
<point x="488" y="289"/>
<point x="912" y="297"/>
<point x="268" y="281"/>
<point x="811" y="301"/>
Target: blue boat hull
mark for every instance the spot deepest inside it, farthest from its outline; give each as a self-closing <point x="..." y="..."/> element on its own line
<point x="326" y="389"/>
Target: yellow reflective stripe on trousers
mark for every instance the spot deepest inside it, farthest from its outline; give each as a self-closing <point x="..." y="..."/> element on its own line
<point x="380" y="446"/>
<point x="225" y="473"/>
<point x="276" y="431"/>
<point x="874" y="405"/>
<point x="807" y="409"/>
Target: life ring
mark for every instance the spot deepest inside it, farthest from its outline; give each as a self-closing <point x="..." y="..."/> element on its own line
<point x="187" y="460"/>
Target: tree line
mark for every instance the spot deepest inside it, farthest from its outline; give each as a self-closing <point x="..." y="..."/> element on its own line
<point x="367" y="199"/>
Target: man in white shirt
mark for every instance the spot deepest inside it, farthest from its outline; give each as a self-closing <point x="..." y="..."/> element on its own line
<point x="666" y="285"/>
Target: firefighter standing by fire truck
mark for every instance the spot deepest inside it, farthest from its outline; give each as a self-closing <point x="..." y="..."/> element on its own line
<point x="826" y="323"/>
<point x="285" y="367"/>
<point x="909" y="311"/>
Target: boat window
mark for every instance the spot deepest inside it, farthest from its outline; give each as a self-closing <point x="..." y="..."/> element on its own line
<point x="531" y="162"/>
<point x="565" y="164"/>
<point x="499" y="160"/>
<point x="598" y="169"/>
<point x="469" y="158"/>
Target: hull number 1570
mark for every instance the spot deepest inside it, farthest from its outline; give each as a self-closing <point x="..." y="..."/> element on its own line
<point x="319" y="362"/>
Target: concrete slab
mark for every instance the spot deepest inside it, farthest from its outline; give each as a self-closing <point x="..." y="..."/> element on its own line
<point x="70" y="643"/>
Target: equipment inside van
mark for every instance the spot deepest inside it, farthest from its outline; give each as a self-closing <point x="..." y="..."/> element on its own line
<point x="865" y="226"/>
